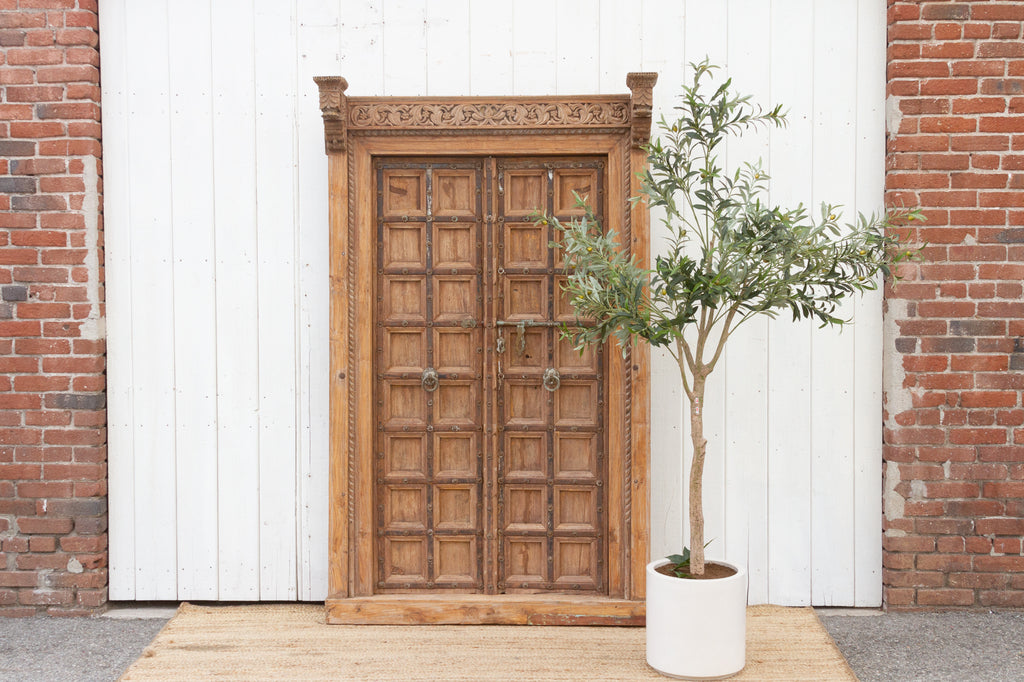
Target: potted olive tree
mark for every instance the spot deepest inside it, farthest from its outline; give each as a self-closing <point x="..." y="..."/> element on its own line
<point x="730" y="257"/>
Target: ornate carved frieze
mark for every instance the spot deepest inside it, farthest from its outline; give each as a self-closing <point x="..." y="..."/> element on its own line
<point x="476" y="115"/>
<point x="473" y="114"/>
<point x="641" y="84"/>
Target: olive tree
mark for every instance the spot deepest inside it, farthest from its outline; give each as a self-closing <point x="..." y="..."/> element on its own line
<point x="730" y="256"/>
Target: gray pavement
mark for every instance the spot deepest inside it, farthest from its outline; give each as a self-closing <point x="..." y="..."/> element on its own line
<point x="955" y="645"/>
<point x="961" y="646"/>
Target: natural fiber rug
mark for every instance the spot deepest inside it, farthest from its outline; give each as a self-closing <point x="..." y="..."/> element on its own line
<point x="291" y="642"/>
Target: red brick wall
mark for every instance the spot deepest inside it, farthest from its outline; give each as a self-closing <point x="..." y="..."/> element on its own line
<point x="954" y="439"/>
<point x="53" y="543"/>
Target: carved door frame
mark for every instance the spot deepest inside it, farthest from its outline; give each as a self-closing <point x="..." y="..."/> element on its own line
<point x="358" y="129"/>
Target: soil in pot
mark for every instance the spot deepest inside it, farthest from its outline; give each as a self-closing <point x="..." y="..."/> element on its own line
<point x="712" y="571"/>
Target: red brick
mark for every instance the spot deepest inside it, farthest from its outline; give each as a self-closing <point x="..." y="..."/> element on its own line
<point x="945" y="597"/>
<point x="996" y="453"/>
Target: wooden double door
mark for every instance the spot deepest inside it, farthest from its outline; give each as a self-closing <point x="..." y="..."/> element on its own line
<point x="490" y="462"/>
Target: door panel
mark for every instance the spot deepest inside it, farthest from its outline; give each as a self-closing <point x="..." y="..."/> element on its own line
<point x="550" y="402"/>
<point x="429" y="369"/>
<point x="491" y="464"/>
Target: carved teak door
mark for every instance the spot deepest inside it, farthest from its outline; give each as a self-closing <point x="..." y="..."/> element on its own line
<point x="490" y="461"/>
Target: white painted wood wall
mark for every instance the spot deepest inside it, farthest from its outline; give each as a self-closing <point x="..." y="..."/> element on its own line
<point x="217" y="274"/>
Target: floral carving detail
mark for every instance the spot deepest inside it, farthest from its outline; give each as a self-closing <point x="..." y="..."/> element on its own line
<point x="487" y="115"/>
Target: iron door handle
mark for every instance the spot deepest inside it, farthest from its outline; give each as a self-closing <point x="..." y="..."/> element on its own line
<point x="429" y="380"/>
<point x="552" y="380"/>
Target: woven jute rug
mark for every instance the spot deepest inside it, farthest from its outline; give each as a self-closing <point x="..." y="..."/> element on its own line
<point x="292" y="642"/>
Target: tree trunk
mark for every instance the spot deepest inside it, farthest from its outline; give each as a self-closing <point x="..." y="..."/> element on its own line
<point x="700" y="445"/>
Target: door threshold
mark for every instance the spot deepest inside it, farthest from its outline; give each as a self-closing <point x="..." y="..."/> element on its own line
<point x="484" y="609"/>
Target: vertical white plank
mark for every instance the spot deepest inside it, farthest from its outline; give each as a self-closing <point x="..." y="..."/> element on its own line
<point x="577" y="40"/>
<point x="746" y="368"/>
<point x="620" y="50"/>
<point x="870" y="170"/>
<point x="789" y="370"/>
<point x="490" y="40"/>
<point x="118" y="272"/>
<point x="447" y="47"/>
<point x="274" y="32"/>
<point x="360" y="58"/>
<point x="832" y="366"/>
<point x="152" y="301"/>
<point x="405" y="48"/>
<point x="234" y="140"/>
<point x="194" y="315"/>
<point x="707" y="34"/>
<point x="662" y="51"/>
<point x="533" y="48"/>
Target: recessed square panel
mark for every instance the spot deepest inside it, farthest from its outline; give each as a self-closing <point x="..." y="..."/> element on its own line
<point x="526" y="454"/>
<point x="404" y="246"/>
<point x="564" y="309"/>
<point x="405" y="404"/>
<point x="526" y="245"/>
<point x="455" y="560"/>
<point x="405" y="300"/>
<point x="575" y="563"/>
<point x="525" y="192"/>
<point x="455" y="246"/>
<point x="526" y="351"/>
<point x="568" y="360"/>
<point x="525" y="508"/>
<point x="454" y="192"/>
<point x="576" y="509"/>
<point x="405" y="350"/>
<point x="455" y="507"/>
<point x="405" y="507"/>
<point x="405" y="456"/>
<point x="525" y="403"/>
<point x="455" y="351"/>
<point x="526" y="298"/>
<point x="583" y="183"/>
<point x="576" y="404"/>
<point x="455" y="299"/>
<point x="457" y="404"/>
<point x="576" y="455"/>
<point x="456" y="455"/>
<point x="525" y="561"/>
<point x="405" y="562"/>
<point x="404" y="191"/>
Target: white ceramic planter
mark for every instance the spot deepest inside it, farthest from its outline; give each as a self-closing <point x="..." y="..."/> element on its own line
<point x="696" y="629"/>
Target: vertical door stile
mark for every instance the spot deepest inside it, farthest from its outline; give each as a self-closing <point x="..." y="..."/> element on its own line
<point x="490" y="378"/>
<point x="431" y="471"/>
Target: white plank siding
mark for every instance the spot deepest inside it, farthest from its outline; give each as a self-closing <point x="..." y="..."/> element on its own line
<point x="217" y="274"/>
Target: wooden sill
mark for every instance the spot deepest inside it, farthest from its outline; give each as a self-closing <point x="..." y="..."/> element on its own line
<point x="484" y="609"/>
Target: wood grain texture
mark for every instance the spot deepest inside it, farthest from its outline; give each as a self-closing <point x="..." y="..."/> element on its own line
<point x="483" y="610"/>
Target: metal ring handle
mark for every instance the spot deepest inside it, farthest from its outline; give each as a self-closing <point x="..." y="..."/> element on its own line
<point x="552" y="380"/>
<point x="429" y="380"/>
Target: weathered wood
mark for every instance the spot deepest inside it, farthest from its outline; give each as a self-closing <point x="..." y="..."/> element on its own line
<point x="579" y="555"/>
<point x="339" y="570"/>
<point x="462" y="609"/>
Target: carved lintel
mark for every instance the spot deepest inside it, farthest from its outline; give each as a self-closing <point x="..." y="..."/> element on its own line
<point x="334" y="107"/>
<point x="641" y="84"/>
<point x="477" y="114"/>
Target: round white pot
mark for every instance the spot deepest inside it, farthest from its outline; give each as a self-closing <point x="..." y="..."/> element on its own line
<point x="696" y="629"/>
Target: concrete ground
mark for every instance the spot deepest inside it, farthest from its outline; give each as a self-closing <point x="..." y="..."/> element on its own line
<point x="955" y="645"/>
<point x="975" y="646"/>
